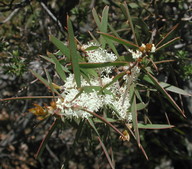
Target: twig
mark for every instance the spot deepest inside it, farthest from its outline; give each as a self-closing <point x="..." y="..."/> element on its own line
<point x="29" y="97"/>
<point x="10" y="16"/>
<point x="52" y="17"/>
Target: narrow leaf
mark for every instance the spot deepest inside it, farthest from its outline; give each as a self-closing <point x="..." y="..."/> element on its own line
<point x="93" y="126"/>
<point x="130" y="21"/>
<point x="47" y="58"/>
<point x="134" y="115"/>
<point x="141" y="106"/>
<point x="104" y="19"/>
<point x="38" y="76"/>
<point x="60" y="45"/>
<point x="91" y="48"/>
<point x="111" y="120"/>
<point x="119" y="40"/>
<point x="112" y="46"/>
<point x="174" y="89"/>
<point x="154" y="126"/>
<point x="45" y="82"/>
<point x="99" y="65"/>
<point x="51" y="61"/>
<point x="96" y="18"/>
<point x="50" y="82"/>
<point x="73" y="53"/>
<point x="58" y="67"/>
<point x="164" y="92"/>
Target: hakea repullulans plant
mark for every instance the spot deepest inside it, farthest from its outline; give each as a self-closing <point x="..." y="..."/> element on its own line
<point x="74" y="103"/>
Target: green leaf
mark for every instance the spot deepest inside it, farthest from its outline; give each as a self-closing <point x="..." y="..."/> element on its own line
<point x="148" y="79"/>
<point x="47" y="58"/>
<point x="174" y="89"/>
<point x="113" y="31"/>
<point x="127" y="14"/>
<point x="138" y="95"/>
<point x="141" y="106"/>
<point x="104" y="23"/>
<point x="89" y="89"/>
<point x="87" y="73"/>
<point x="99" y="65"/>
<point x="93" y="126"/>
<point x="104" y="19"/>
<point x="91" y="48"/>
<point x="96" y="18"/>
<point x="45" y="82"/>
<point x="123" y="9"/>
<point x="73" y="53"/>
<point x="164" y="92"/>
<point x="119" y="40"/>
<point x="51" y="61"/>
<point x="111" y="120"/>
<point x="112" y="46"/>
<point x="60" y="45"/>
<point x="134" y="114"/>
<point x="50" y="82"/>
<point x="38" y="76"/>
<point x="58" y="67"/>
<point x="154" y="126"/>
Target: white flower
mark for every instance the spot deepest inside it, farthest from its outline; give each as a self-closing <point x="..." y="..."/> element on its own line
<point x="99" y="55"/>
<point x="135" y="54"/>
<point x="153" y="49"/>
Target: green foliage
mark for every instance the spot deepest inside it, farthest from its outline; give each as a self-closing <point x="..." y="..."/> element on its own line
<point x="185" y="66"/>
<point x="16" y="65"/>
<point x="77" y="63"/>
<point x="120" y="27"/>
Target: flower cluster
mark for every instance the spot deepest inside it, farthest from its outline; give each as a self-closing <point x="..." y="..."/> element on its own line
<point x="143" y="49"/>
<point x="77" y="103"/>
<point x="99" y="55"/>
<point x="74" y="102"/>
<point x="115" y="97"/>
